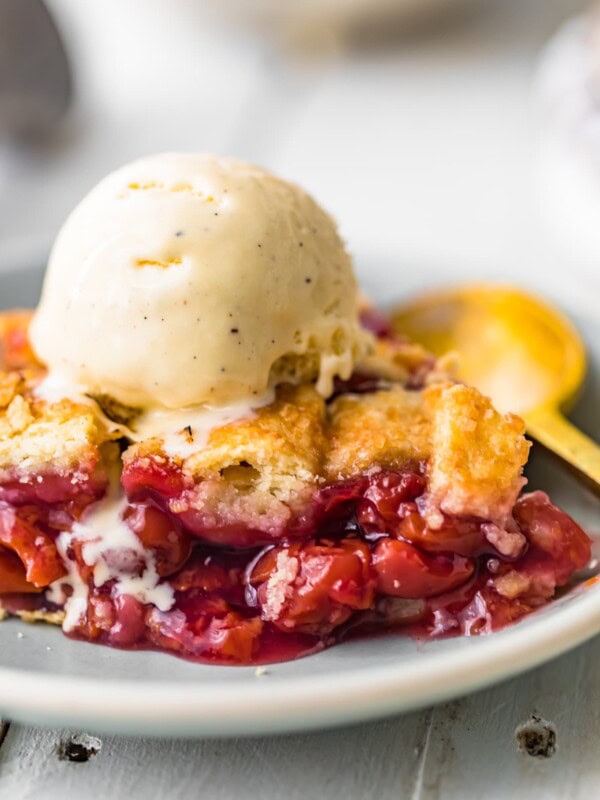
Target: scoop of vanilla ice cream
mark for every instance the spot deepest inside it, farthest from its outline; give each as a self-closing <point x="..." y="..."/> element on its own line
<point x="191" y="279"/>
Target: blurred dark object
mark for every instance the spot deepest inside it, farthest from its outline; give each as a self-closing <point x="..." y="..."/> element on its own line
<point x="35" y="79"/>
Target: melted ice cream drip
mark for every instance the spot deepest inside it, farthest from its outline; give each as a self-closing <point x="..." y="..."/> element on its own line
<point x="183" y="431"/>
<point x="115" y="553"/>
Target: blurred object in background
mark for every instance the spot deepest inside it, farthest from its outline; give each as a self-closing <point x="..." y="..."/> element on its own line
<point x="420" y="141"/>
<point x="148" y="75"/>
<point x="150" y="56"/>
<point x="568" y="91"/>
<point x="328" y="24"/>
<point x="35" y="84"/>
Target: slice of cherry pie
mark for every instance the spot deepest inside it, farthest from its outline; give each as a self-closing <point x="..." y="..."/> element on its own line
<point x="394" y="504"/>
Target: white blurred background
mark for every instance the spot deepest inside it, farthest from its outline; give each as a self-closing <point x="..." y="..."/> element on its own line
<point x="417" y="131"/>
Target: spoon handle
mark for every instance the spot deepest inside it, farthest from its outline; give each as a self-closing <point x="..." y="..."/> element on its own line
<point x="548" y="427"/>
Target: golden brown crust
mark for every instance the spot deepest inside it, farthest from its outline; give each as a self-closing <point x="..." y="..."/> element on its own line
<point x="39" y="437"/>
<point x="284" y="442"/>
<point x="39" y="615"/>
<point x="278" y="451"/>
<point x="15" y="349"/>
<point x="384" y="428"/>
<point x="10" y="384"/>
<point x="477" y="454"/>
<point x="474" y="455"/>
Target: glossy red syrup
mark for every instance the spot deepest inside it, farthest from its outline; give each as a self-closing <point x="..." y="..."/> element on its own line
<point x="361" y="559"/>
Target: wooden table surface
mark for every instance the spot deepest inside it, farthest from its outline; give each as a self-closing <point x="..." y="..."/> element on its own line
<point x="449" y="118"/>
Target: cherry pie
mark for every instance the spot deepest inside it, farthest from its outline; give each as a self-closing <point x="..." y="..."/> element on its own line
<point x="394" y="504"/>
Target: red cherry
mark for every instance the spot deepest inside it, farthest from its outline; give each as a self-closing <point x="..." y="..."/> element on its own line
<point x="34" y="547"/>
<point x="331" y="581"/>
<point x="159" y="478"/>
<point x="403" y="571"/>
<point x="12" y="574"/>
<point x="129" y="625"/>
<point x="552" y="533"/>
<point x="161" y="534"/>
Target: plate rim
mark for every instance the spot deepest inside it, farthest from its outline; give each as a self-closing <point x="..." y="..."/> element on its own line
<point x="293" y="704"/>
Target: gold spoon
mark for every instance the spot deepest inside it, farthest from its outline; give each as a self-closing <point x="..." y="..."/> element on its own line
<point x="518" y="350"/>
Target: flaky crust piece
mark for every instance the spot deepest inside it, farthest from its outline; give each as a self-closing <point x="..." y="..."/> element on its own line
<point x="473" y="456"/>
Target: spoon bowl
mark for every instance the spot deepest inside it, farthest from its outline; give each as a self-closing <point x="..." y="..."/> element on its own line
<point x="517" y="349"/>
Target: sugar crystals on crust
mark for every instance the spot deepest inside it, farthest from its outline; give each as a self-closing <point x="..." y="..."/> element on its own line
<point x="477" y="455"/>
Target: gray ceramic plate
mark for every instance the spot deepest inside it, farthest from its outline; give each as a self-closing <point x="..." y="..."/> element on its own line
<point x="48" y="679"/>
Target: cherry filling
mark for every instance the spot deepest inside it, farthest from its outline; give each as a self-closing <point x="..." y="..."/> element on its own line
<point x="25" y="533"/>
<point x="55" y="489"/>
<point x="361" y="557"/>
<point x="169" y="544"/>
